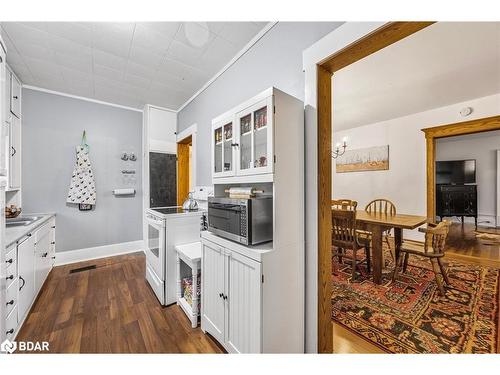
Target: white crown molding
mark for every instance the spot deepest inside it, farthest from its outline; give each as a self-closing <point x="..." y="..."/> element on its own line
<point x="36" y="88"/>
<point x="160" y="108"/>
<point x="244" y="50"/>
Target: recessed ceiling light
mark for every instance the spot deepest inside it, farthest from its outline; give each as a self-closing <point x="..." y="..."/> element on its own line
<point x="196" y="35"/>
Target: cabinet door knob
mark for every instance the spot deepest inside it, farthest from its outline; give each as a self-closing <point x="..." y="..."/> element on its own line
<point x="13" y="151"/>
<point x="44" y="255"/>
<point x="15" y="96"/>
<point x="11" y="302"/>
<point x="225" y="297"/>
<point x="11" y="277"/>
<point x="29" y="234"/>
<point x="10" y="331"/>
<point x="9" y="261"/>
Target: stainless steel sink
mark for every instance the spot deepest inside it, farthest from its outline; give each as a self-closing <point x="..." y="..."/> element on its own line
<point x="21" y="221"/>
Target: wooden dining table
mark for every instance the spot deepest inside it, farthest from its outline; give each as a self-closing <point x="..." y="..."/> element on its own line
<point x="377" y="223"/>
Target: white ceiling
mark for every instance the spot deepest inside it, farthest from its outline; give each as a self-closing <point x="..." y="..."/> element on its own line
<point x="443" y="64"/>
<point x="160" y="63"/>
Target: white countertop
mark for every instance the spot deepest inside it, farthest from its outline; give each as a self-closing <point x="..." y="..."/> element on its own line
<point x="13" y="234"/>
<point x="254" y="252"/>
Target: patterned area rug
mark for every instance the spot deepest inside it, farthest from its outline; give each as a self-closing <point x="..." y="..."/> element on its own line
<point x="409" y="316"/>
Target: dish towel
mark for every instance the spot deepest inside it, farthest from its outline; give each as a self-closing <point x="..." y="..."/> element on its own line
<point x="82" y="186"/>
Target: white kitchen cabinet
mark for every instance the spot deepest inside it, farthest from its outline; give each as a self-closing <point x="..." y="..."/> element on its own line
<point x="243" y="138"/>
<point x="223" y="146"/>
<point x="14" y="175"/>
<point x="43" y="255"/>
<point x="3" y="113"/>
<point x="243" y="304"/>
<point x="26" y="271"/>
<point x="15" y="96"/>
<point x="213" y="284"/>
<point x="231" y="298"/>
<point x="254" y="153"/>
<point x="256" y="291"/>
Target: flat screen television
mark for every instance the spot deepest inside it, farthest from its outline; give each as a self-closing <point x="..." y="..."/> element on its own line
<point x="456" y="172"/>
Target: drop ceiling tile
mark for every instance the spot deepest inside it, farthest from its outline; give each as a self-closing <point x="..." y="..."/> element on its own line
<point x="110" y="73"/>
<point x="137" y="81"/>
<point x="214" y="27"/>
<point x="74" y="77"/>
<point x="82" y="63"/>
<point x="22" y="72"/>
<point x="166" y="29"/>
<point x="144" y="56"/>
<point x="40" y="67"/>
<point x="140" y="70"/>
<point x="149" y="38"/>
<point x="109" y="60"/>
<point x="34" y="50"/>
<point x="19" y="32"/>
<point x="76" y="32"/>
<point x="239" y="32"/>
<point x="67" y="46"/>
<point x="217" y="55"/>
<point x="118" y="47"/>
<point x="178" y="69"/>
<point x="124" y="63"/>
<point x="183" y="53"/>
<point x="122" y="31"/>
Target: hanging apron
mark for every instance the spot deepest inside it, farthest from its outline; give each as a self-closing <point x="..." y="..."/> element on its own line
<point x="82" y="186"/>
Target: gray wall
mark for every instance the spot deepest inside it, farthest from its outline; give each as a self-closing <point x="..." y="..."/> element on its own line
<point x="52" y="127"/>
<point x="276" y="60"/>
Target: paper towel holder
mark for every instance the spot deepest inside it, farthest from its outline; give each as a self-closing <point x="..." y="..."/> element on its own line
<point x="123" y="192"/>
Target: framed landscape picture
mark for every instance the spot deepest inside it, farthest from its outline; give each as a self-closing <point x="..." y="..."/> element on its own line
<point x="364" y="159"/>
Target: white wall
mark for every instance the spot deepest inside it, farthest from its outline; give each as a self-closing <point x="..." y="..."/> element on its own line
<point x="405" y="181"/>
<point x="482" y="147"/>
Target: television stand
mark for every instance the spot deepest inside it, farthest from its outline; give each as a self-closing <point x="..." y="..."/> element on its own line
<point x="456" y="200"/>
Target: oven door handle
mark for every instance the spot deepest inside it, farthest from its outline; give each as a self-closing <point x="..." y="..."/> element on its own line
<point x="226" y="207"/>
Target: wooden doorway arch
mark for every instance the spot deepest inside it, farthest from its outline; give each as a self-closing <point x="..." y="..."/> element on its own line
<point x="450" y="130"/>
<point x="373" y="42"/>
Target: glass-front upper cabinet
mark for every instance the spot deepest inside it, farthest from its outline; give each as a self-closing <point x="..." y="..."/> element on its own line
<point x="223" y="146"/>
<point x="255" y="138"/>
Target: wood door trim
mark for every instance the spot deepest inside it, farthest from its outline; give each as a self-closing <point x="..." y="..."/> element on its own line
<point x="183" y="169"/>
<point x="373" y="42"/>
<point x="449" y="130"/>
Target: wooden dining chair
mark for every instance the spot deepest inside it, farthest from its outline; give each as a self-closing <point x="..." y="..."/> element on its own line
<point x="433" y="248"/>
<point x="344" y="234"/>
<point x="381" y="206"/>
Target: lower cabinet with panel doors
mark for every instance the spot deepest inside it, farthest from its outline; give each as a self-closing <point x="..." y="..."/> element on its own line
<point x="237" y="303"/>
<point x="28" y="264"/>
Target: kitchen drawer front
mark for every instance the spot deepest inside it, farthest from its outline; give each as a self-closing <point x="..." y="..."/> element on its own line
<point x="11" y="324"/>
<point x="11" y="296"/>
<point x="11" y="266"/>
<point x="42" y="232"/>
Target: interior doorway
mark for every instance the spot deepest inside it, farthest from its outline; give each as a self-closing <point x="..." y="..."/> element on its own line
<point x="379" y="39"/>
<point x="184" y="168"/>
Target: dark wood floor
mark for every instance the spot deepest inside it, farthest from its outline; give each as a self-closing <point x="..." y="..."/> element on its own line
<point x="463" y="243"/>
<point x="109" y="309"/>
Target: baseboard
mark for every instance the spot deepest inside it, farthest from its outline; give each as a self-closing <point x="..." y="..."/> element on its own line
<point x="74" y="256"/>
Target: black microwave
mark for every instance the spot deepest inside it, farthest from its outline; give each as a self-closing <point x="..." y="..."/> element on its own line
<point x="247" y="221"/>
